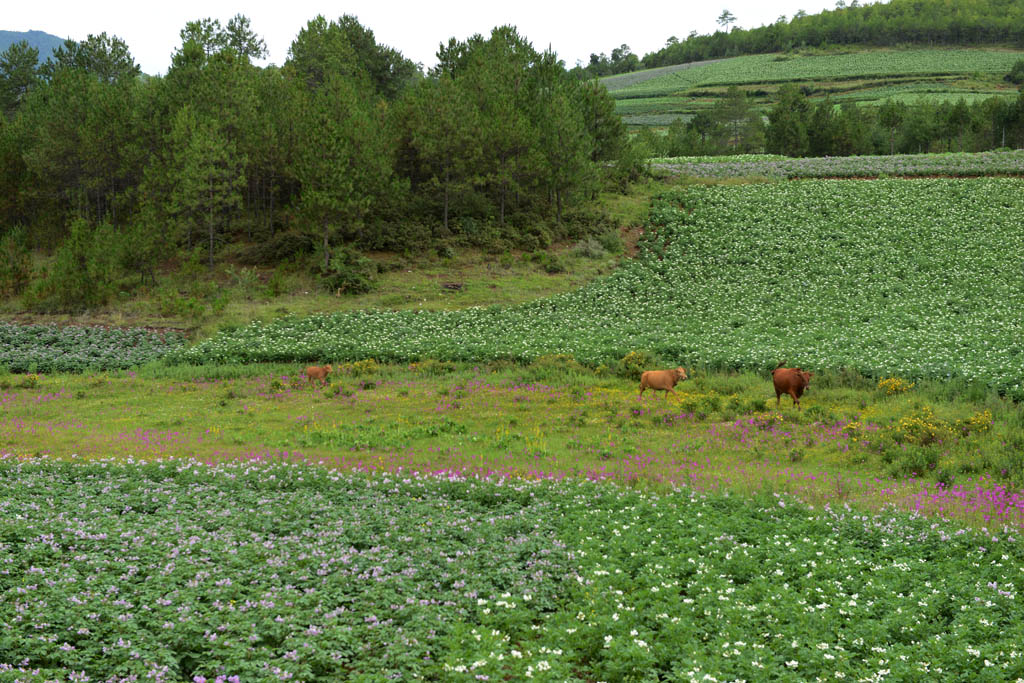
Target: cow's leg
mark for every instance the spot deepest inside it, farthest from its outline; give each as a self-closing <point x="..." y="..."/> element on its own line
<point x="796" y="399"/>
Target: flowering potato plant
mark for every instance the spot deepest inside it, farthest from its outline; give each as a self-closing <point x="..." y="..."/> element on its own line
<point x="915" y="278"/>
<point x="176" y="571"/>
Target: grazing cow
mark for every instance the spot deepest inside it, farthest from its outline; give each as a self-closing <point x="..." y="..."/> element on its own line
<point x="792" y="381"/>
<point x="319" y="372"/>
<point x="661" y="380"/>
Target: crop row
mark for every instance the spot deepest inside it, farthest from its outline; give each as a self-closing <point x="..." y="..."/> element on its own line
<point x="774" y="68"/>
<point x="178" y="571"/>
<point x="920" y="278"/>
<point x="53" y="348"/>
<point x="958" y="164"/>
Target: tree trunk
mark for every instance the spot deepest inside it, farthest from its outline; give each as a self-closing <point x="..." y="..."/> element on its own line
<point x="210" y="224"/>
<point x="447" y="185"/>
<point x="327" y="247"/>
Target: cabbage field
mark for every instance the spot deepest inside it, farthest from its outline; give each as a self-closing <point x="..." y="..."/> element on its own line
<point x="921" y="278"/>
<point x="956" y="164"/>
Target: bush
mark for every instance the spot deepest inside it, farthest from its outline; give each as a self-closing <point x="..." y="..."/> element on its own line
<point x="1016" y="74"/>
<point x="280" y="247"/>
<point x="588" y="247"/>
<point x="552" y="264"/>
<point x="894" y="385"/>
<point x="432" y="368"/>
<point x="15" y="263"/>
<point x="611" y="240"/>
<point x="82" y="273"/>
<point x="348" y="273"/>
<point x="634" y="364"/>
<point x="558" y="367"/>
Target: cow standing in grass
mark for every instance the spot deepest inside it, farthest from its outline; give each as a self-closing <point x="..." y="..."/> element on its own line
<point x="661" y="380"/>
<point x="792" y="381"/>
<point x="318" y="372"/>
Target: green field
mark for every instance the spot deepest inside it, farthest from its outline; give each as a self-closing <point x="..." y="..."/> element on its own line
<point x="183" y="572"/>
<point x="869" y="76"/>
<point x="498" y="503"/>
<point x="920" y="278"/>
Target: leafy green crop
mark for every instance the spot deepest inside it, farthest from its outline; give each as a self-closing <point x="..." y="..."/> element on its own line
<point x="773" y="68"/>
<point x="53" y="348"/>
<point x="182" y="572"/>
<point x="958" y="164"/>
<point x="919" y="278"/>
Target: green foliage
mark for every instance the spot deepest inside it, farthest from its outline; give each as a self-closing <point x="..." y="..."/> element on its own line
<point x="635" y="363"/>
<point x="515" y="579"/>
<point x="589" y="247"/>
<point x="82" y="273"/>
<point x="1016" y="74"/>
<point x="15" y="263"/>
<point x="348" y="273"/>
<point x="749" y="241"/>
<point x="50" y="348"/>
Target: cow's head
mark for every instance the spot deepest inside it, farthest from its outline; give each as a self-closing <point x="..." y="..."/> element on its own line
<point x="680" y="374"/>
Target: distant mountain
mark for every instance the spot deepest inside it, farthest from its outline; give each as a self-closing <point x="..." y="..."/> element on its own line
<point x="44" y="42"/>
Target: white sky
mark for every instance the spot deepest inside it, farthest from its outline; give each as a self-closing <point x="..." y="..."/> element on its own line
<point x="573" y="29"/>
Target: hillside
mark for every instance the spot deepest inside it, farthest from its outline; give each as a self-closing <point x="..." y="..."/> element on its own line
<point x="44" y="42"/>
<point x="881" y="24"/>
<point x="656" y="97"/>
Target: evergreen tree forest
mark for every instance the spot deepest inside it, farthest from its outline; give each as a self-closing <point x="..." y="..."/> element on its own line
<point x="797" y="126"/>
<point x="346" y="146"/>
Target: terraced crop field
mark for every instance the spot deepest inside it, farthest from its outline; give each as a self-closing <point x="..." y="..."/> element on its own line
<point x="864" y="76"/>
<point x="920" y="278"/>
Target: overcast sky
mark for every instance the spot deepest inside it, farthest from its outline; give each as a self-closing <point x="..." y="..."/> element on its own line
<point x="573" y="29"/>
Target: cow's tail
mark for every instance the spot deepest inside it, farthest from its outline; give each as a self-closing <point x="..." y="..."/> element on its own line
<point x="781" y="363"/>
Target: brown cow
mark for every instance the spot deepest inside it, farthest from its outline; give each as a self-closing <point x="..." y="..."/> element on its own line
<point x="319" y="372"/>
<point x="661" y="380"/>
<point x="792" y="381"/>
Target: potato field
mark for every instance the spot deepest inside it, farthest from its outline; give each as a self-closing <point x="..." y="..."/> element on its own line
<point x="920" y="278"/>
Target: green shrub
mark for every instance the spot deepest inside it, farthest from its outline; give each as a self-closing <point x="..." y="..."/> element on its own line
<point x="15" y="262"/>
<point x="432" y="368"/>
<point x="1016" y="74"/>
<point x="348" y="273"/>
<point x="557" y="367"/>
<point x="611" y="240"/>
<point x="83" y="271"/>
<point x="588" y="247"/>
<point x="634" y="364"/>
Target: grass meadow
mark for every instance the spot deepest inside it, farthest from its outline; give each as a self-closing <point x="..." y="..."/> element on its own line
<point x="950" y="449"/>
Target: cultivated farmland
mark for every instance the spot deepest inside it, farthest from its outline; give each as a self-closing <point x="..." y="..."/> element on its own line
<point x="71" y="348"/>
<point x="954" y="164"/>
<point x="177" y="571"/>
<point x="862" y="76"/>
<point x="920" y="278"/>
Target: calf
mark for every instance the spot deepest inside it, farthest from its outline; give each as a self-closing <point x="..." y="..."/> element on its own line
<point x="319" y="372"/>
<point x="661" y="380"/>
<point x="792" y="381"/>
